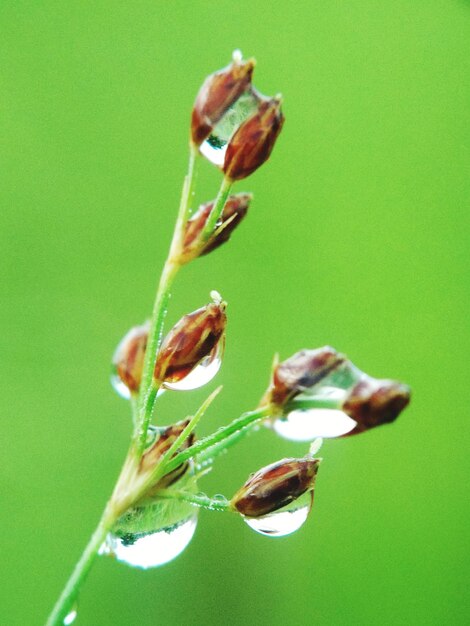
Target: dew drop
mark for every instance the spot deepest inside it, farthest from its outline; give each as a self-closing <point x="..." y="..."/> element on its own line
<point x="118" y="386"/>
<point x="71" y="616"/>
<point x="215" y="146"/>
<point x="283" y="521"/>
<point x="202" y="374"/>
<point x="154" y="548"/>
<point x="306" y="425"/>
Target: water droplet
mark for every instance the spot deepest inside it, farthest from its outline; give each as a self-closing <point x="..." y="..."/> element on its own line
<point x="341" y="378"/>
<point x="308" y="424"/>
<point x="118" y="385"/>
<point x="283" y="521"/>
<point x="202" y="374"/>
<point x="154" y="548"/>
<point x="215" y="146"/>
<point x="71" y="615"/>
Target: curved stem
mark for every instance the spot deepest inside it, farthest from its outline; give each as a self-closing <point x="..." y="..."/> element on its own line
<point x="148" y="391"/>
<point x="68" y="596"/>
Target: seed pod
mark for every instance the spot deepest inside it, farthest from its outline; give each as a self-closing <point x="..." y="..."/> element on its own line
<point x="234" y="211"/>
<point x="163" y="442"/>
<point x="192" y="339"/>
<point x="128" y="359"/>
<point x="300" y="372"/>
<point x="375" y="402"/>
<point x="275" y="486"/>
<point x="253" y="141"/>
<point x="217" y="94"/>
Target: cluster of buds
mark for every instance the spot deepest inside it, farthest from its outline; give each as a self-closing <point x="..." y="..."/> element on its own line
<point x="235" y="127"/>
<point x="325" y="373"/>
<point x="196" y="340"/>
<point x="232" y="124"/>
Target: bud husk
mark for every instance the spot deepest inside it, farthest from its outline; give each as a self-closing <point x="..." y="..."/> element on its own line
<point x="128" y="359"/>
<point x="218" y="93"/>
<point x="157" y="449"/>
<point x="300" y="372"/>
<point x="192" y="339"/>
<point x="234" y="211"/>
<point x="275" y="486"/>
<point x="375" y="402"/>
<point x="252" y="143"/>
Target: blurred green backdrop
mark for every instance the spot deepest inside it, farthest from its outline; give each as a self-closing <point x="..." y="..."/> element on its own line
<point x="358" y="237"/>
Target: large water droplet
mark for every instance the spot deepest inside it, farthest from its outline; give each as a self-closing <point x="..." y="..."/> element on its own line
<point x="203" y="373"/>
<point x="71" y="615"/>
<point x="283" y="521"/>
<point x="308" y="424"/>
<point x="215" y="146"/>
<point x="151" y="549"/>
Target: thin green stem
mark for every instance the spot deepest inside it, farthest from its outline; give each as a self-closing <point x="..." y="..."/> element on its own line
<point x="247" y="419"/>
<point x="200" y="499"/>
<point x="68" y="596"/>
<point x="148" y="391"/>
<point x="216" y="212"/>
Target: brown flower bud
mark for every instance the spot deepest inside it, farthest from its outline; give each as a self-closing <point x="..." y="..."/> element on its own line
<point x="375" y="402"/>
<point x="217" y="94"/>
<point x="275" y="486"/>
<point x="191" y="340"/>
<point x="165" y="437"/>
<point x="128" y="360"/>
<point x="234" y="211"/>
<point x="300" y="372"/>
<point x="253" y="141"/>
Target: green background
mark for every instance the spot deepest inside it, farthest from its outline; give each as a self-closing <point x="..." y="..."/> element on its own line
<point x="357" y="237"/>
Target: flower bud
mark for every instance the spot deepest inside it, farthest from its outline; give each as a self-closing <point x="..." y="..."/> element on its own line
<point x="195" y="337"/>
<point x="253" y="141"/>
<point x="375" y="402"/>
<point x="234" y="211"/>
<point x="275" y="486"/>
<point x="300" y="372"/>
<point x="128" y="360"/>
<point x="164" y="439"/>
<point x="217" y="94"/>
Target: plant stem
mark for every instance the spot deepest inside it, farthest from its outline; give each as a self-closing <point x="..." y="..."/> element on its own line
<point x="217" y="209"/>
<point x="247" y="419"/>
<point x="148" y="391"/>
<point x="200" y="500"/>
<point x="68" y="596"/>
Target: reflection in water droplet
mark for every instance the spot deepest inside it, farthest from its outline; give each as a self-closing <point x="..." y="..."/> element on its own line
<point x="284" y="521"/>
<point x="215" y="146"/>
<point x="307" y="425"/>
<point x="203" y="373"/>
<point x="71" y="615"/>
<point x="151" y="549"/>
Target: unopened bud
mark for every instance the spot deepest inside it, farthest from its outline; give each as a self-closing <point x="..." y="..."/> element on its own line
<point x="234" y="211"/>
<point x="128" y="360"/>
<point x="253" y="141"/>
<point x="275" y="486"/>
<point x="164" y="439"/>
<point x="300" y="372"/>
<point x="217" y="94"/>
<point x="375" y="402"/>
<point x="195" y="337"/>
